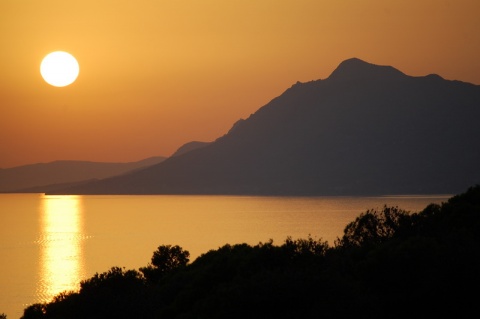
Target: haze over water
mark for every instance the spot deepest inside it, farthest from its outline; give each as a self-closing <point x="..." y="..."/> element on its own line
<point x="50" y="243"/>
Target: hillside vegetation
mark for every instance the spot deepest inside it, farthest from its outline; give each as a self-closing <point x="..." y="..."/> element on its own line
<point x="389" y="263"/>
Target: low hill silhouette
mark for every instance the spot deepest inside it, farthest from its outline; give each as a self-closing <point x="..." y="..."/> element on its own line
<point x="45" y="177"/>
<point x="190" y="146"/>
<point x="365" y="130"/>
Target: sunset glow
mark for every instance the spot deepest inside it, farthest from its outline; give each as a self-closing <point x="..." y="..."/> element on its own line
<point x="158" y="74"/>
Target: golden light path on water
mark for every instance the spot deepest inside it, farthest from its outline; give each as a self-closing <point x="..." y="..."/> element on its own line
<point x="61" y="258"/>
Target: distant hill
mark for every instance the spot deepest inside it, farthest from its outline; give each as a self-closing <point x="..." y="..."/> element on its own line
<point x="44" y="177"/>
<point x="366" y="129"/>
<point x="190" y="146"/>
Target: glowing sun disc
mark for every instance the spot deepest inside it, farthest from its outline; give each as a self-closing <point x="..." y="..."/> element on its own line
<point x="59" y="68"/>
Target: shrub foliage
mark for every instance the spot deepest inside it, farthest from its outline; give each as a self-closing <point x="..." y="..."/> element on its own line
<point x="389" y="263"/>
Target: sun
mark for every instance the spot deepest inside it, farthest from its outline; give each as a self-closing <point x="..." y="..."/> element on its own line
<point x="59" y="68"/>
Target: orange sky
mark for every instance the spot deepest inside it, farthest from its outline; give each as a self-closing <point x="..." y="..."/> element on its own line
<point x="156" y="74"/>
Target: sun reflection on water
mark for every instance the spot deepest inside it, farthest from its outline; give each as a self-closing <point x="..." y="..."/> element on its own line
<point x="61" y="256"/>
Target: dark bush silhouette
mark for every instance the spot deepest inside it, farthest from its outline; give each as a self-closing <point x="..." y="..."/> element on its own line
<point x="165" y="259"/>
<point x="388" y="264"/>
<point x="373" y="227"/>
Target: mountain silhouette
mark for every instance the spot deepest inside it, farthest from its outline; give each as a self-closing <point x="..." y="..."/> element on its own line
<point x="190" y="146"/>
<point x="366" y="129"/>
<point x="358" y="70"/>
<point x="43" y="177"/>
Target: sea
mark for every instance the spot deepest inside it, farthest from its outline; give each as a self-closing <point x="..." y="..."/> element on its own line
<point x="50" y="243"/>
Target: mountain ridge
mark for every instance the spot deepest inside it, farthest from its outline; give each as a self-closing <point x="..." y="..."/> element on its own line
<point x="366" y="129"/>
<point x="356" y="69"/>
<point x="38" y="176"/>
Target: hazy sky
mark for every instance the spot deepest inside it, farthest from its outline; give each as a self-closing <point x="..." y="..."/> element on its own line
<point x="156" y="74"/>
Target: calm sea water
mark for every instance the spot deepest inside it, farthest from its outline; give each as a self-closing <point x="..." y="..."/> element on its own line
<point x="48" y="244"/>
